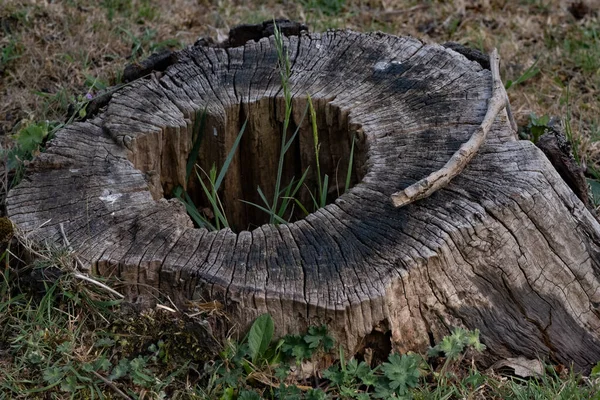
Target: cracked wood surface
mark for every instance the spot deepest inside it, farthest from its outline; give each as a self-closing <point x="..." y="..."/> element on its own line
<point x="506" y="247"/>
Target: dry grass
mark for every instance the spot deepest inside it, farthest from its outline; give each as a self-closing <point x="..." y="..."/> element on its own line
<point x="54" y="51"/>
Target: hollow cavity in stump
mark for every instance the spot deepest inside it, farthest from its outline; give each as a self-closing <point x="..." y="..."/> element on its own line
<point x="254" y="164"/>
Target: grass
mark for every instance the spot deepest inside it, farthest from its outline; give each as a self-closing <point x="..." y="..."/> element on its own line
<point x="86" y="39"/>
<point x="64" y="337"/>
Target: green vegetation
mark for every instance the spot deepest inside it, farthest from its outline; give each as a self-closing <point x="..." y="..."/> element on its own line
<point x="67" y="337"/>
<point x="529" y="73"/>
<point x="536" y="126"/>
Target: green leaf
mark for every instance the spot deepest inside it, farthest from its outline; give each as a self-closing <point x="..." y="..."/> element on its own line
<point x="69" y="384"/>
<point x="295" y="346"/>
<point x="316" y="394"/>
<point x="366" y="374"/>
<point x="228" y="394"/>
<point x="402" y="372"/>
<point x="473" y="340"/>
<point x="451" y="346"/>
<point x="31" y="137"/>
<point x="335" y="375"/>
<point x="248" y="395"/>
<point x="53" y="375"/>
<point x="102" y="363"/>
<point x="318" y="335"/>
<point x="260" y="336"/>
<point x="383" y="392"/>
<point x="120" y="370"/>
<point x="347" y="392"/>
<point x="64" y="347"/>
<point x="596" y="369"/>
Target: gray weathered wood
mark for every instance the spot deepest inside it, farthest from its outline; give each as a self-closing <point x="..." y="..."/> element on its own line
<point x="506" y="247"/>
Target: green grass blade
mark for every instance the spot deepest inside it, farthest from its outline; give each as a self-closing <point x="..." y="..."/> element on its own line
<point x="263" y="197"/>
<point x="291" y="140"/>
<point x="266" y="210"/>
<point x="197" y="131"/>
<point x="285" y="199"/>
<point x="291" y="194"/>
<point x="312" y="196"/>
<point x="350" y="165"/>
<point x="229" y="158"/>
<point x="315" y="132"/>
<point x="324" y="191"/>
<point x="301" y="206"/>
<point x="285" y="71"/>
<point x="220" y="218"/>
<point x="300" y="183"/>
<point x="192" y="210"/>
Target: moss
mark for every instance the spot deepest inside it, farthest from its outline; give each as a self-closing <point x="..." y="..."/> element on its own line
<point x="176" y="336"/>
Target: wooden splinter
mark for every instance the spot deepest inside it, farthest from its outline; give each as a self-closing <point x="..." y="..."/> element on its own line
<point x="459" y="160"/>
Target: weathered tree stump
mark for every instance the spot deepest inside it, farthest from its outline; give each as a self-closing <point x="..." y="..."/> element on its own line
<point x="506" y="247"/>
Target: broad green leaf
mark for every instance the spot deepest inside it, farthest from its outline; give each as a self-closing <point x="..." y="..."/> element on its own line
<point x="260" y="336"/>
<point x="402" y="371"/>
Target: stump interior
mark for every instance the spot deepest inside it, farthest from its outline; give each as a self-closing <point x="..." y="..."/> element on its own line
<point x="255" y="161"/>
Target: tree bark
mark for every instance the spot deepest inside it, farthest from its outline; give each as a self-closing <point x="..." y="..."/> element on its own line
<point x="505" y="247"/>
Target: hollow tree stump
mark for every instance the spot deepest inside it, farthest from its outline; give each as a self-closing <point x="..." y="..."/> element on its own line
<point x="506" y="247"/>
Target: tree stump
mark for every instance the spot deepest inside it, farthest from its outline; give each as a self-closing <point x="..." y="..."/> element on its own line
<point x="505" y="247"/>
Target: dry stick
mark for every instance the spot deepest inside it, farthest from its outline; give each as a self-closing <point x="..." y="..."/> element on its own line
<point x="99" y="284"/>
<point x="459" y="160"/>
<point x="82" y="276"/>
<point x="111" y="385"/>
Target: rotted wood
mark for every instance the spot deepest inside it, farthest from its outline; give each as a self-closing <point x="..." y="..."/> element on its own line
<point x="505" y="246"/>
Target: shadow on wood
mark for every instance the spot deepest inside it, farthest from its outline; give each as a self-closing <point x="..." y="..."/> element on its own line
<point x="506" y="247"/>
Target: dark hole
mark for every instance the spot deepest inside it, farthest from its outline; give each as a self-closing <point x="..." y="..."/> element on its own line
<point x="255" y="163"/>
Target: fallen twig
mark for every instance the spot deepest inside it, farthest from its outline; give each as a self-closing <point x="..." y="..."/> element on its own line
<point x="111" y="385"/>
<point x="99" y="284"/>
<point x="459" y="160"/>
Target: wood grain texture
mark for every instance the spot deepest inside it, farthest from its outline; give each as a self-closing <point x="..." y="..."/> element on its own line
<point x="506" y="247"/>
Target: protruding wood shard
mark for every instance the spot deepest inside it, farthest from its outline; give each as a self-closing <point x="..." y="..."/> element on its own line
<point x="503" y="246"/>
